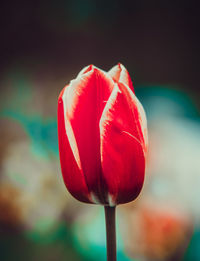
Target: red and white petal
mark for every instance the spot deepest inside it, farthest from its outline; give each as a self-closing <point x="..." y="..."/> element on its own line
<point x="85" y="70"/>
<point x="84" y="101"/>
<point x="139" y="114"/>
<point x="122" y="152"/>
<point x="115" y="71"/>
<point x="143" y="122"/>
<point x="120" y="74"/>
<point x="72" y="174"/>
<point x="88" y="68"/>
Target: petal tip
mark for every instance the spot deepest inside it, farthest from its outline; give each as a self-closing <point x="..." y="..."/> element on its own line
<point x="86" y="69"/>
<point x="120" y="65"/>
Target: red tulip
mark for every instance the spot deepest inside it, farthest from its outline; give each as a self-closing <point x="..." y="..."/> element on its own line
<point x="102" y="137"/>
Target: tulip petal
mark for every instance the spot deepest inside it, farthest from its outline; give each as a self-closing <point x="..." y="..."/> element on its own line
<point x="72" y="175"/>
<point x="120" y="74"/>
<point x="85" y="70"/>
<point x="84" y="101"/>
<point x="89" y="68"/>
<point x="122" y="146"/>
<point x="142" y="122"/>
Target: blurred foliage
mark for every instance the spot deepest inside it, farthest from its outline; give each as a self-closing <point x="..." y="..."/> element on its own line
<point x="193" y="252"/>
<point x="57" y="244"/>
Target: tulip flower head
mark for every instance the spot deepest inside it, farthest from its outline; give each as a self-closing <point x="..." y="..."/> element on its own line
<point x="102" y="137"/>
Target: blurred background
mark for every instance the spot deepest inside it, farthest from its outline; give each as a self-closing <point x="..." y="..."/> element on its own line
<point x="44" y="44"/>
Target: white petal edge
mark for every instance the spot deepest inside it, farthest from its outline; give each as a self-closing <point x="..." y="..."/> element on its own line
<point x="82" y="72"/>
<point x="111" y="202"/>
<point x="69" y="131"/>
<point x="94" y="198"/>
<point x="123" y="74"/>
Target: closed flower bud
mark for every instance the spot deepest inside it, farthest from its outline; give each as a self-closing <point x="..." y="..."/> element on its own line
<point x="102" y="137"/>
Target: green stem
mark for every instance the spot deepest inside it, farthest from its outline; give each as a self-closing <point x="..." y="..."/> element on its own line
<point x="110" y="233"/>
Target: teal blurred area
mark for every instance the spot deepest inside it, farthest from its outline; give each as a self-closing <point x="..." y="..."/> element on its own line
<point x="44" y="46"/>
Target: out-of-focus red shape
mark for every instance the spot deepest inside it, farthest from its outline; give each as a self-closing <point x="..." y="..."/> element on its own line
<point x="102" y="137"/>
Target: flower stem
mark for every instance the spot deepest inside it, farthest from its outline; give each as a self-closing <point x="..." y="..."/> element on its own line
<point x="110" y="233"/>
